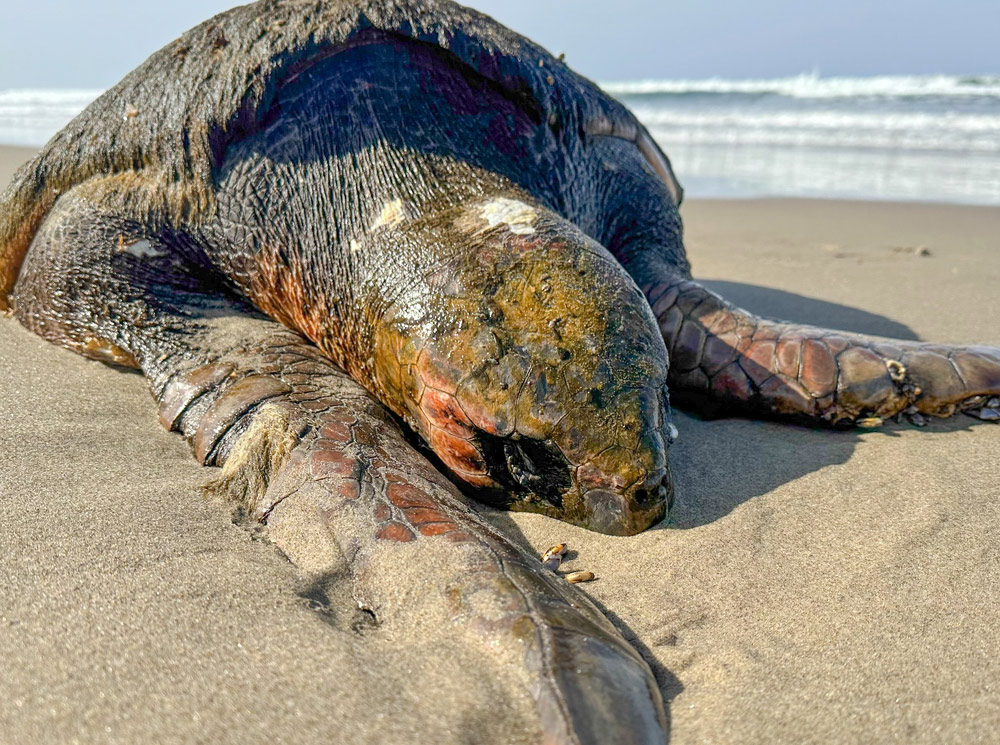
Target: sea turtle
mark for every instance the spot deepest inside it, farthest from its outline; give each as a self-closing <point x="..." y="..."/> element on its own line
<point x="346" y="239"/>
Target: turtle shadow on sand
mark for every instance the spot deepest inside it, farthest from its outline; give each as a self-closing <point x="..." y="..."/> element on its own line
<point x="788" y="306"/>
<point x="718" y="463"/>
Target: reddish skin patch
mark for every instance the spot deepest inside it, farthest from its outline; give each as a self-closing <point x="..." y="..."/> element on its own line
<point x="458" y="454"/>
<point x="766" y="332"/>
<point x="394" y="531"/>
<point x="787" y="356"/>
<point x="589" y="475"/>
<point x="382" y="512"/>
<point x="724" y="324"/>
<point x="819" y="370"/>
<point x="482" y="417"/>
<point x="349" y="489"/>
<point x="419" y="515"/>
<point x="477" y="479"/>
<point x="762" y="353"/>
<point x="279" y="289"/>
<point x="745" y="339"/>
<point x="338" y="431"/>
<point x="364" y="435"/>
<point x="761" y="356"/>
<point x="436" y="375"/>
<point x="329" y="463"/>
<point x="437" y="528"/>
<point x="405" y="496"/>
<point x="443" y="411"/>
<point x="711" y="317"/>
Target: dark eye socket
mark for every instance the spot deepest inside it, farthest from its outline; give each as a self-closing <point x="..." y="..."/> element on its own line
<point x="526" y="465"/>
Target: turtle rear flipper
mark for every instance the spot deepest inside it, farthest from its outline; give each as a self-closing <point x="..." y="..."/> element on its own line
<point x="320" y="467"/>
<point x="726" y="359"/>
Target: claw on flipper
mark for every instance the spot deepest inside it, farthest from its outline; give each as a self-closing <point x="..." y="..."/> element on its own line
<point x="735" y="360"/>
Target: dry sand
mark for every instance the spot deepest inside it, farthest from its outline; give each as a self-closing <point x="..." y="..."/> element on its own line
<point x="811" y="586"/>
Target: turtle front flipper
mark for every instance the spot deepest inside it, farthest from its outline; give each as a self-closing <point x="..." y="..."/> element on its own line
<point x="311" y="459"/>
<point x="734" y="361"/>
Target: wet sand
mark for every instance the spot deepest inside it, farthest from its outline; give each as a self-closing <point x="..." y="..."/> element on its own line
<point x="810" y="586"/>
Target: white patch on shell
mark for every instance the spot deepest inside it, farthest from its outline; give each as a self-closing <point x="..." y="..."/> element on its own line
<point x="392" y="214"/>
<point x="143" y="250"/>
<point x="517" y="216"/>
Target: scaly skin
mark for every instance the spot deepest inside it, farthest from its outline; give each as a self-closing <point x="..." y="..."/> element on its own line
<point x="460" y="226"/>
<point x="739" y="361"/>
<point x="521" y="361"/>
<point x="502" y="333"/>
<point x="334" y="465"/>
<point x="324" y="470"/>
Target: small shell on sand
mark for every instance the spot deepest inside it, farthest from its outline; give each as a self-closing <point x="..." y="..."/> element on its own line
<point x="553" y="556"/>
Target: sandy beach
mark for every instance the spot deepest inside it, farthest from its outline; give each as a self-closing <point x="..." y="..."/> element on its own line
<point x="810" y="586"/>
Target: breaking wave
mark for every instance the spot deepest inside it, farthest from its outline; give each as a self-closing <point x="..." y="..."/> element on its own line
<point x="934" y="137"/>
<point x="813" y="85"/>
<point x="31" y="117"/>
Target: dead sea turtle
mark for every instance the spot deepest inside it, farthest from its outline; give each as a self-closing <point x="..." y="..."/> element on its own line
<point x="331" y="234"/>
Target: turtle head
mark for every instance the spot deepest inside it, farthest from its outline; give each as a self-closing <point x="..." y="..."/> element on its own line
<point x="533" y="367"/>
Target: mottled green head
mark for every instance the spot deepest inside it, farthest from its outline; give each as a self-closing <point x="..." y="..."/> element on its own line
<point x="533" y="367"/>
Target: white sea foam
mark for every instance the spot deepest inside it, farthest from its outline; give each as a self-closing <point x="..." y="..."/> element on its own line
<point x="812" y="85"/>
<point x="31" y="117"/>
<point x="930" y="137"/>
<point x="948" y="131"/>
<point x="934" y="137"/>
<point x="30" y="97"/>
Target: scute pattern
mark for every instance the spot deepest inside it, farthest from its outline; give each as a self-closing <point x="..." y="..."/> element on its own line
<point x="727" y="354"/>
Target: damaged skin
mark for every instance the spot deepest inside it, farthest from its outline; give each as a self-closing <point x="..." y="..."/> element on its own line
<point x="323" y="224"/>
<point x="535" y="393"/>
<point x="510" y="340"/>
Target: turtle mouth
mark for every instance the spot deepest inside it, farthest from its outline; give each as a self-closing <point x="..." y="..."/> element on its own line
<point x="535" y="476"/>
<point x="614" y="513"/>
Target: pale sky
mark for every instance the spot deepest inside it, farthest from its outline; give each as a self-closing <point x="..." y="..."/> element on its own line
<point x="93" y="43"/>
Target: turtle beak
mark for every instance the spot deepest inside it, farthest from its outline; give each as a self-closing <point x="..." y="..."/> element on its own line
<point x="630" y="512"/>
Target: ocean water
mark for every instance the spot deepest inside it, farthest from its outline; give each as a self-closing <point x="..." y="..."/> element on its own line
<point x="928" y="138"/>
<point x="933" y="138"/>
<point x="31" y="117"/>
